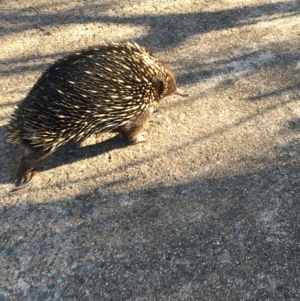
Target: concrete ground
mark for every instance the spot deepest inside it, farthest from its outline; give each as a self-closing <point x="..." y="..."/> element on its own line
<point x="209" y="207"/>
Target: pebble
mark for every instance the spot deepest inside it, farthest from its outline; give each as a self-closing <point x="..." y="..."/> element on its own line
<point x="10" y="251"/>
<point x="98" y="192"/>
<point x="59" y="279"/>
<point x="87" y="208"/>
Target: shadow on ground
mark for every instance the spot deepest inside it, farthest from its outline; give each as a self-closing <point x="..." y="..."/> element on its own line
<point x="205" y="238"/>
<point x="166" y="31"/>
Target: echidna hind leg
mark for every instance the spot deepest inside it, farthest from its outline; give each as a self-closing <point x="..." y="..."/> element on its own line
<point x="26" y="167"/>
<point x="134" y="130"/>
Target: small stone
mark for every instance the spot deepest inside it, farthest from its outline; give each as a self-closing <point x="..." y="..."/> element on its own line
<point x="21" y="295"/>
<point x="100" y="264"/>
<point x="87" y="208"/>
<point x="45" y="295"/>
<point x="51" y="286"/>
<point x="98" y="192"/>
<point x="10" y="251"/>
<point x="59" y="279"/>
<point x="81" y="280"/>
<point x="70" y="212"/>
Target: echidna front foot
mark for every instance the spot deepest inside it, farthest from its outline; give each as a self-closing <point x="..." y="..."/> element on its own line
<point x="140" y="137"/>
<point x="134" y="137"/>
<point x="134" y="130"/>
<point x="26" y="167"/>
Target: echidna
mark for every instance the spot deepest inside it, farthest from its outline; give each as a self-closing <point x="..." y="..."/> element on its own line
<point x="108" y="88"/>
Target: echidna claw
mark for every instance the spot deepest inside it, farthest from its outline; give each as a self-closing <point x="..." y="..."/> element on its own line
<point x="20" y="184"/>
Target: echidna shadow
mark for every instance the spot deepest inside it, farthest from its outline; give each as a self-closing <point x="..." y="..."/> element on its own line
<point x="109" y="88"/>
<point x="73" y="152"/>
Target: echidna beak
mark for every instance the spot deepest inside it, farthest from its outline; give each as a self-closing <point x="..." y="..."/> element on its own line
<point x="181" y="92"/>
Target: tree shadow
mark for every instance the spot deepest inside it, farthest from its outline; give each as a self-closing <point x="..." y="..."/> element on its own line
<point x="294" y="125"/>
<point x="165" y="31"/>
<point x="184" y="241"/>
<point x="277" y="92"/>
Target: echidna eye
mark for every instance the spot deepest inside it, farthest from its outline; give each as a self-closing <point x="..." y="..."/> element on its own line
<point x="158" y="86"/>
